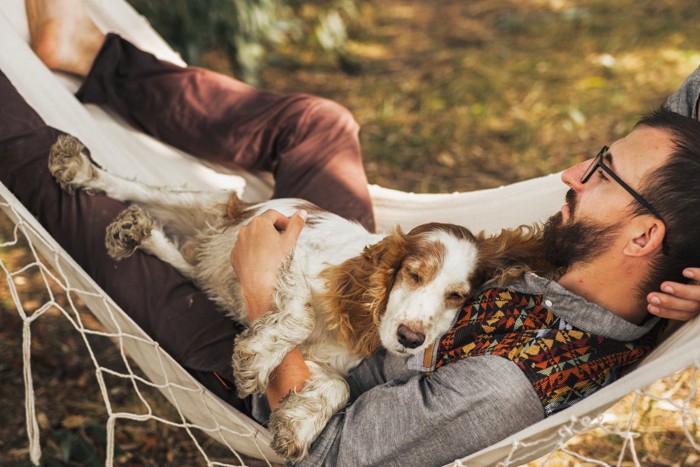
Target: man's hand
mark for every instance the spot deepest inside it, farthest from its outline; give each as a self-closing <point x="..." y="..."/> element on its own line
<point x="676" y="300"/>
<point x="262" y="247"/>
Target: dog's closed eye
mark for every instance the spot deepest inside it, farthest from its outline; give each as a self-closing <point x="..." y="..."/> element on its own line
<point x="415" y="277"/>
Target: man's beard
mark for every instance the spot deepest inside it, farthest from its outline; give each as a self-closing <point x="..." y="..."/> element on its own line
<point x="578" y="241"/>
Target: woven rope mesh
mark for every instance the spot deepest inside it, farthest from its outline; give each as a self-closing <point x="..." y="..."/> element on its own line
<point x="75" y="389"/>
<point x="62" y="337"/>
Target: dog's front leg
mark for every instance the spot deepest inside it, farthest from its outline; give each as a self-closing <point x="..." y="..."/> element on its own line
<point x="260" y="348"/>
<point x="302" y="415"/>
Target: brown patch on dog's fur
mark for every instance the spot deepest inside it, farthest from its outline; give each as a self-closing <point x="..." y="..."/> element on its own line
<point x="510" y="254"/>
<point x="422" y="263"/>
<point x="312" y="210"/>
<point x="430" y="255"/>
<point x="236" y="211"/>
<point x="357" y="291"/>
<point x="457" y="231"/>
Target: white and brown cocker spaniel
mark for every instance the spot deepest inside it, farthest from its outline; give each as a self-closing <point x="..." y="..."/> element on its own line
<point x="343" y="293"/>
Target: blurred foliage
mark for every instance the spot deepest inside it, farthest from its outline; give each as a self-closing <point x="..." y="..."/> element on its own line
<point x="241" y="29"/>
<point x="462" y="95"/>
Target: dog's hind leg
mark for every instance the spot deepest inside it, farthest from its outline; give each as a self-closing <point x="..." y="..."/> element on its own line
<point x="73" y="169"/>
<point x="302" y="415"/>
<point x="134" y="229"/>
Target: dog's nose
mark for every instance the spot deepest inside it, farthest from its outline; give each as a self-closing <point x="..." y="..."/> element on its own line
<point x="409" y="338"/>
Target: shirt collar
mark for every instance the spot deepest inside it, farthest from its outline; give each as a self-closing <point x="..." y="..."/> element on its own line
<point x="578" y="311"/>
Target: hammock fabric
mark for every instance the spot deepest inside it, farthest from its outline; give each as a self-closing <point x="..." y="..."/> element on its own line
<point x="116" y="147"/>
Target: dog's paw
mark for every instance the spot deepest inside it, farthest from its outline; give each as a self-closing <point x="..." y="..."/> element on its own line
<point x="253" y="361"/>
<point x="246" y="362"/>
<point x="127" y="231"/>
<point x="301" y="416"/>
<point x="285" y="441"/>
<point x="69" y="164"/>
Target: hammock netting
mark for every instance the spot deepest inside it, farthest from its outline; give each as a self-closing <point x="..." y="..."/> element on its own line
<point x="615" y="426"/>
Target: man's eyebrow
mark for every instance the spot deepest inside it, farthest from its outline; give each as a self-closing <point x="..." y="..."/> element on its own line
<point x="609" y="160"/>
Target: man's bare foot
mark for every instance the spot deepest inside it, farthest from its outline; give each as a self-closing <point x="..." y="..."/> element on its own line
<point x="62" y="35"/>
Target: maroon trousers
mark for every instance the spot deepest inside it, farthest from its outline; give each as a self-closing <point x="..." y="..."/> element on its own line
<point x="308" y="143"/>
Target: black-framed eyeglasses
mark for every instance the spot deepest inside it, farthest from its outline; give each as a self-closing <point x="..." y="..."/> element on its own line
<point x="598" y="163"/>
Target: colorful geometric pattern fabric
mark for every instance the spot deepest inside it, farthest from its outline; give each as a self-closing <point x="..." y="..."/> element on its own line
<point x="564" y="364"/>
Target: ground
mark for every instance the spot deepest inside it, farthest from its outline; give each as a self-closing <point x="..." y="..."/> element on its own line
<point x="451" y="95"/>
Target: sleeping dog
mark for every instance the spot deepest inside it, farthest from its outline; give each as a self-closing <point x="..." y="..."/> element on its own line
<point x="342" y="293"/>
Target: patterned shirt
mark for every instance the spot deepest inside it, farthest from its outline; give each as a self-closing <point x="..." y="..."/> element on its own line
<point x="565" y="364"/>
<point x="410" y="412"/>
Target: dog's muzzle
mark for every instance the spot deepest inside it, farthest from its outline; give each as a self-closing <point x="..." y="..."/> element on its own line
<point x="409" y="338"/>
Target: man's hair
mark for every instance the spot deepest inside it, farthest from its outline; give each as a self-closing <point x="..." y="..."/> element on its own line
<point x="674" y="190"/>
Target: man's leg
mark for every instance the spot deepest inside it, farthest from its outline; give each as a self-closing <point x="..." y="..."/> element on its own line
<point x="164" y="304"/>
<point x="310" y="144"/>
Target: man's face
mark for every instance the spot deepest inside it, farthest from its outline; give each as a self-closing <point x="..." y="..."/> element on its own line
<point x="593" y="216"/>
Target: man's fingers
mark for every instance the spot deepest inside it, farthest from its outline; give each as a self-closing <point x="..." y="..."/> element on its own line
<point x="671" y="314"/>
<point x="670" y="302"/>
<point x="281" y="222"/>
<point x="677" y="301"/>
<point x="685" y="291"/>
<point x="692" y="273"/>
<point x="295" y="225"/>
<point x="275" y="218"/>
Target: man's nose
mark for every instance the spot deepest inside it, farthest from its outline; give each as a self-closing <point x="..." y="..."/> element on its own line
<point x="573" y="175"/>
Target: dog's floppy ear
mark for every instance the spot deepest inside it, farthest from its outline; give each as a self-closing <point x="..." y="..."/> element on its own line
<point x="358" y="291"/>
<point x="509" y="254"/>
<point x="385" y="259"/>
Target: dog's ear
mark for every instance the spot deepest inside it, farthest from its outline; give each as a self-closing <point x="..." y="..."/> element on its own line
<point x="358" y="291"/>
<point x="235" y="211"/>
<point x="385" y="259"/>
<point x="509" y="254"/>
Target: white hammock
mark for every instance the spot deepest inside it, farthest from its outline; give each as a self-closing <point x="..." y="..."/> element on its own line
<point x="118" y="148"/>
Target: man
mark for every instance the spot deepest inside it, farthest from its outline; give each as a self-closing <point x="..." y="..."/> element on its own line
<point x="627" y="223"/>
<point x="164" y="100"/>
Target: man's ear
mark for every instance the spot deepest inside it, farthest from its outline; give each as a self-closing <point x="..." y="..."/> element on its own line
<point x="647" y="234"/>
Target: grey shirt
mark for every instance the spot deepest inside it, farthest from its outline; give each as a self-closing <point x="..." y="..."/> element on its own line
<point x="400" y="416"/>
